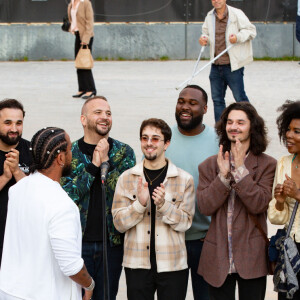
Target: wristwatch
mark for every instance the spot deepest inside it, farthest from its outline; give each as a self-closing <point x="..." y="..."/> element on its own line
<point x="91" y="287"/>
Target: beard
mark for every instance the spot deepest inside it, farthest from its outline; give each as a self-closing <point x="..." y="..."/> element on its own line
<point x="66" y="171"/>
<point x="149" y="157"/>
<point x="192" y="124"/>
<point x="9" y="140"/>
<point x="233" y="139"/>
<point x="94" y="128"/>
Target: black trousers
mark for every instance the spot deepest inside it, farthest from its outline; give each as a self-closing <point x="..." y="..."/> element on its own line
<point x="249" y="289"/>
<point x="85" y="77"/>
<point x="142" y="284"/>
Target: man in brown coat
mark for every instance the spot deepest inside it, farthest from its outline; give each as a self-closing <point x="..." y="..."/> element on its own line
<point x="232" y="185"/>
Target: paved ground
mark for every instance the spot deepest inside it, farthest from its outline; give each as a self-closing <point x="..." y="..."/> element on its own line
<point x="138" y="90"/>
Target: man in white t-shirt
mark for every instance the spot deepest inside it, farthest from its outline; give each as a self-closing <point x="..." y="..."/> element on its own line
<point x="42" y="243"/>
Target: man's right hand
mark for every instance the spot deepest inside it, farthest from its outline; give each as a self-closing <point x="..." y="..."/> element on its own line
<point x="203" y="40"/>
<point x="223" y="162"/>
<point x="96" y="157"/>
<point x="142" y="192"/>
<point x="6" y="171"/>
<point x="87" y="295"/>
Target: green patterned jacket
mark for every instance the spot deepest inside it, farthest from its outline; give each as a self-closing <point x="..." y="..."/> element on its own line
<point x="78" y="184"/>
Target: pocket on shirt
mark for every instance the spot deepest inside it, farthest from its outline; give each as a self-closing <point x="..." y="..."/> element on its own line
<point x="174" y="198"/>
<point x="132" y="196"/>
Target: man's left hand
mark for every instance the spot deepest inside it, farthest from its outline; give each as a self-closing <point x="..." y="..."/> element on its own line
<point x="103" y="149"/>
<point x="12" y="159"/>
<point x="158" y="196"/>
<point x="239" y="153"/>
<point x="232" y="39"/>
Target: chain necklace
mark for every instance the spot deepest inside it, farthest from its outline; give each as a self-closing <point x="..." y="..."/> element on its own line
<point x="151" y="180"/>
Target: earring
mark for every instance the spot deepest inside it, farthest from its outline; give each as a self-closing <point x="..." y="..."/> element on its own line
<point x="62" y="165"/>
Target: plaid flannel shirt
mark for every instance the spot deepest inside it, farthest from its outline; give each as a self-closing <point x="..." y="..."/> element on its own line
<point x="172" y="220"/>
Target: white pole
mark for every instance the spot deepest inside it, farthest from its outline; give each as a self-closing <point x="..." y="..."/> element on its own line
<point x="197" y="63"/>
<point x="206" y="65"/>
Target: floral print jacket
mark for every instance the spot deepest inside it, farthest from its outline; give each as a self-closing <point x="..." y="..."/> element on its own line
<point x="78" y="184"/>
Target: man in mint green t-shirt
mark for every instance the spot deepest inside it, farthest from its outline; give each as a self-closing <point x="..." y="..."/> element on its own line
<point x="192" y="143"/>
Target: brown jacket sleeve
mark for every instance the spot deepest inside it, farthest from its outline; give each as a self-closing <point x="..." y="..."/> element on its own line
<point x="85" y="22"/>
<point x="211" y="192"/>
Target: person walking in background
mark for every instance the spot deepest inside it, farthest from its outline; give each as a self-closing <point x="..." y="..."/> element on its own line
<point x="15" y="156"/>
<point x="234" y="187"/>
<point x="287" y="178"/>
<point x="225" y="25"/>
<point x="193" y="142"/>
<point x="42" y="244"/>
<point x="83" y="185"/>
<point x="81" y="16"/>
<point x="154" y="206"/>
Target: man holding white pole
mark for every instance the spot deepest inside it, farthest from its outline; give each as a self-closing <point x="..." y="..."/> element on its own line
<point x="225" y="25"/>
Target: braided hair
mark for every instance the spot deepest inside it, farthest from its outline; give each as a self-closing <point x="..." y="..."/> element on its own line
<point x="45" y="145"/>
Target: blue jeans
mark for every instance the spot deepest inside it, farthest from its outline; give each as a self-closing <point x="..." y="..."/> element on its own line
<point x="200" y="287"/>
<point x="92" y="254"/>
<point x="220" y="77"/>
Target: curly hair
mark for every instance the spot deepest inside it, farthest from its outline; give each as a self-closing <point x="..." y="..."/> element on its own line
<point x="258" y="130"/>
<point x="45" y="145"/>
<point x="290" y="110"/>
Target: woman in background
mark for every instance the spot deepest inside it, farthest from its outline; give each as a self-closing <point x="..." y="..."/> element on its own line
<point x="81" y="17"/>
<point x="287" y="178"/>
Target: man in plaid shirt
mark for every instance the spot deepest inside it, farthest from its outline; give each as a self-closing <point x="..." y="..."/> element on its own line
<point x="154" y="205"/>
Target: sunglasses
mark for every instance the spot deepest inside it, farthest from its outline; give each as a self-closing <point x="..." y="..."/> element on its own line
<point x="153" y="140"/>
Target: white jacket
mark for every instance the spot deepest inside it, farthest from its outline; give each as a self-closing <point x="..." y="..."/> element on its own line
<point x="238" y="23"/>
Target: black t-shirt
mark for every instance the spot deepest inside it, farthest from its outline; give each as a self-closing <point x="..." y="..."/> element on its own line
<point x="157" y="177"/>
<point x="25" y="160"/>
<point x="94" y="224"/>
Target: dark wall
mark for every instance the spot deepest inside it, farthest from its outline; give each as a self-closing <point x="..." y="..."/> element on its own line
<point x="145" y="10"/>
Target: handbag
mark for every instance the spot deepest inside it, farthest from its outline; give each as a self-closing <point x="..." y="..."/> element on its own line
<point x="84" y="59"/>
<point x="66" y="24"/>
<point x="288" y="262"/>
<point x="270" y="264"/>
<point x="273" y="251"/>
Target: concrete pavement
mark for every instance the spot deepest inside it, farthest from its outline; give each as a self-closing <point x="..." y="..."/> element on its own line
<point x="137" y="90"/>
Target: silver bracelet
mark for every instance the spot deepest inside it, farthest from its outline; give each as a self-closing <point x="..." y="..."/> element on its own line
<point x="91" y="287"/>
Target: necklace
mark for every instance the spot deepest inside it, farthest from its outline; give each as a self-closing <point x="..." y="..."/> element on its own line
<point x="151" y="180"/>
<point x="294" y="159"/>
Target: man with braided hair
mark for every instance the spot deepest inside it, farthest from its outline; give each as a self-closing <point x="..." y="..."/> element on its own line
<point x="84" y="187"/>
<point x="15" y="157"/>
<point x="42" y="244"/>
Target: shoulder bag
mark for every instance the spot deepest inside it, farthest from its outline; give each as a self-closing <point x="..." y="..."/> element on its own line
<point x="66" y="24"/>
